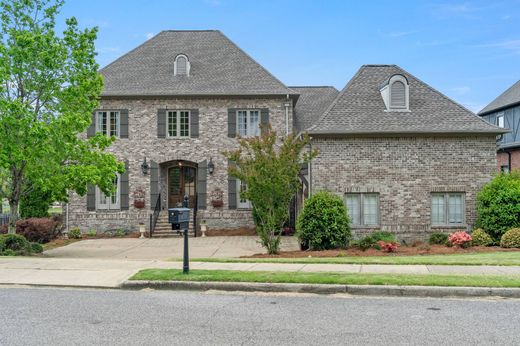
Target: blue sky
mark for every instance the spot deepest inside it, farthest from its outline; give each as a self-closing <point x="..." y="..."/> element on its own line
<point x="468" y="50"/>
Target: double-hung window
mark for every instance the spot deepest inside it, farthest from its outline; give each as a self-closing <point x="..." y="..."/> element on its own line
<point x="363" y="208"/>
<point x="108" y="123"/>
<point x="242" y="203"/>
<point x="178" y="124"/>
<point x="109" y="202"/>
<point x="500" y="120"/>
<point x="447" y="209"/>
<point x="248" y="123"/>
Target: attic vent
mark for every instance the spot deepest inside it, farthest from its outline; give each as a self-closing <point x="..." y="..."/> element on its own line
<point x="182" y="65"/>
<point x="397" y="95"/>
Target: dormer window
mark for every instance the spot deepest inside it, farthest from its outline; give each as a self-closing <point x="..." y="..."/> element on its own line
<point x="182" y="65"/>
<point x="395" y="94"/>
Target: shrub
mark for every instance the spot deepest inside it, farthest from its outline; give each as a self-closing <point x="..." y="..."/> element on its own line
<point x="41" y="230"/>
<point x="438" y="239"/>
<point x="75" y="233"/>
<point x="511" y="238"/>
<point x="481" y="238"/>
<point x="460" y="238"/>
<point x="498" y="204"/>
<point x="388" y="246"/>
<point x="372" y="240"/>
<point x="14" y="244"/>
<point x="324" y="222"/>
<point x="91" y="232"/>
<point x="36" y="247"/>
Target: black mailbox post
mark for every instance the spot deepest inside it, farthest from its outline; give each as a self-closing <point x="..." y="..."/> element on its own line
<point x="180" y="220"/>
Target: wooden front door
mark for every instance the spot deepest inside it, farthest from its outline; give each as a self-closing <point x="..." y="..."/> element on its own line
<point x="181" y="182"/>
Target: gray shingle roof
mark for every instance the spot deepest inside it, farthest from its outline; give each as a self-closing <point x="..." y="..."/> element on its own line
<point x="509" y="97"/>
<point x="359" y="109"/>
<point x="218" y="67"/>
<point x="313" y="101"/>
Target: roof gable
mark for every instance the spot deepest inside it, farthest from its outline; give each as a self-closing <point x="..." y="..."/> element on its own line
<point x="360" y="109"/>
<point x="508" y="98"/>
<point x="217" y="67"/>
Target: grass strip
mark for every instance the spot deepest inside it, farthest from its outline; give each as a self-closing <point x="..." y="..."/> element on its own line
<point x="487" y="258"/>
<point x="328" y="278"/>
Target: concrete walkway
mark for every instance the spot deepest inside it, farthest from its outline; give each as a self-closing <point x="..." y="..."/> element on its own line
<point x="165" y="248"/>
<point x="87" y="272"/>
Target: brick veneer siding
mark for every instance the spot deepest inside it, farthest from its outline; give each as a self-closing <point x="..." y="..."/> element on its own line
<point x="405" y="171"/>
<point x="502" y="159"/>
<point x="143" y="142"/>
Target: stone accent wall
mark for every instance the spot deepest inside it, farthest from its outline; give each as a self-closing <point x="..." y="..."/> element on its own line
<point x="143" y="142"/>
<point x="405" y="171"/>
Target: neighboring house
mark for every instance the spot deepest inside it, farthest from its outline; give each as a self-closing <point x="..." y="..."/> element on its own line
<point x="504" y="112"/>
<point x="403" y="157"/>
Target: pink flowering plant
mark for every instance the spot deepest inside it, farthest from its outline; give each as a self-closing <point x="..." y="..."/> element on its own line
<point x="460" y="238"/>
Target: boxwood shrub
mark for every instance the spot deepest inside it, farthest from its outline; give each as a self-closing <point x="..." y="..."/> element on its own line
<point x="14" y="245"/>
<point x="511" y="238"/>
<point x="324" y="222"/>
<point x="481" y="238"/>
<point x="438" y="238"/>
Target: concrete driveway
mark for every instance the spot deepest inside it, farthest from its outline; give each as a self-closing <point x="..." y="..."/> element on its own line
<point x="165" y="248"/>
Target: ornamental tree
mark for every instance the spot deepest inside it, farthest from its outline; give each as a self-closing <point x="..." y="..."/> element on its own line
<point x="49" y="87"/>
<point x="269" y="167"/>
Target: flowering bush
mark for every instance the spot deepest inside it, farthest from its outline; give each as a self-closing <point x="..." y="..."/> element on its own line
<point x="388" y="246"/>
<point x="460" y="238"/>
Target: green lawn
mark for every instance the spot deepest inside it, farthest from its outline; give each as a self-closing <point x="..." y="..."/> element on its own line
<point x="489" y="258"/>
<point x="329" y="278"/>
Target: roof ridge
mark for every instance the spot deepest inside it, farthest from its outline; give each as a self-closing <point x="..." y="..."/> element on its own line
<point x="312" y="86"/>
<point x="190" y="30"/>
<point x="482" y="112"/>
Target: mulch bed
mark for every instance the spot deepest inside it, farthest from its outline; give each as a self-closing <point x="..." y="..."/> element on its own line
<point x="243" y="231"/>
<point x="401" y="251"/>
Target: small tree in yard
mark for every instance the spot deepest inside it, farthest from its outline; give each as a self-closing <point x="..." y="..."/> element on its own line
<point x="49" y="87"/>
<point x="498" y="205"/>
<point x="269" y="168"/>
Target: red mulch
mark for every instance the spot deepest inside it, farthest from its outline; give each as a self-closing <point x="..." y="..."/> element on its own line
<point x="401" y="251"/>
<point x="243" y="231"/>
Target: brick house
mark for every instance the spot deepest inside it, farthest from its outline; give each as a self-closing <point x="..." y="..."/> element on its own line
<point x="504" y="111"/>
<point x="404" y="157"/>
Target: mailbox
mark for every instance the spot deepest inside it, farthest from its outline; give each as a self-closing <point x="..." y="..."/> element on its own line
<point x="179" y="218"/>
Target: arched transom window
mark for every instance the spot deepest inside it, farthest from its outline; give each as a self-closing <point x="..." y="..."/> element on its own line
<point x="182" y="65"/>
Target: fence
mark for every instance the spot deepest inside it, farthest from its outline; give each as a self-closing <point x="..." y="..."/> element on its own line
<point x="4" y="219"/>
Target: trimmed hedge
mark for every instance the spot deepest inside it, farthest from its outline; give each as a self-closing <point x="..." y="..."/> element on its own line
<point x="511" y="239"/>
<point x="480" y="238"/>
<point x="438" y="238"/>
<point x="324" y="222"/>
<point x="14" y="245"/>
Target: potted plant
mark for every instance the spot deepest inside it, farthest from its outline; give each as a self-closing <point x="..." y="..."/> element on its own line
<point x="217" y="196"/>
<point x="139" y="196"/>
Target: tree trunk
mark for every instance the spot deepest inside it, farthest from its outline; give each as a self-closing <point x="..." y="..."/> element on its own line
<point x="13" y="216"/>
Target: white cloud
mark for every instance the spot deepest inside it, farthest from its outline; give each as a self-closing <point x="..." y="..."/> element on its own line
<point x="149" y="35"/>
<point x="456" y="10"/>
<point x="509" y="45"/>
<point x="461" y="90"/>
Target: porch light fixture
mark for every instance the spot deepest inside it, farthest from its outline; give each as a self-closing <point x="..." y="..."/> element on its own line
<point x="211" y="166"/>
<point x="145" y="167"/>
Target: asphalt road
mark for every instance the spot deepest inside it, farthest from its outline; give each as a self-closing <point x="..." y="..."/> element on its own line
<point x="30" y="316"/>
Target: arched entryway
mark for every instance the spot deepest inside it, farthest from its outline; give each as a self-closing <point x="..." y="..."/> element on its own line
<point x="181" y="180"/>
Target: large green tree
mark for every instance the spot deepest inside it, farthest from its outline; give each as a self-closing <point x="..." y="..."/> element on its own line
<point x="269" y="167"/>
<point x="49" y="87"/>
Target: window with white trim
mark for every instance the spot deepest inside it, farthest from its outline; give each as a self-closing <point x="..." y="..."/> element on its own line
<point x="500" y="120"/>
<point x="107" y="123"/>
<point x="242" y="203"/>
<point x="109" y="202"/>
<point x="363" y="208"/>
<point x="248" y="123"/>
<point x="447" y="209"/>
<point x="181" y="65"/>
<point x="178" y="123"/>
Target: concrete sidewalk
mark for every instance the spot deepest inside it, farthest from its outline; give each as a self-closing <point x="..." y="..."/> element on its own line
<point x="110" y="273"/>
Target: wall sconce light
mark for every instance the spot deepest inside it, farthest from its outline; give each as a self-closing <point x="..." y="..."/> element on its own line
<point x="211" y="166"/>
<point x="145" y="167"/>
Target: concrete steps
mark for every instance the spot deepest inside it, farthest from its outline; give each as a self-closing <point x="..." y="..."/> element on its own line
<point x="163" y="229"/>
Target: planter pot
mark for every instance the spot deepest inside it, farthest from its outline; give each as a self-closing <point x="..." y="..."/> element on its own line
<point x="217" y="203"/>
<point x="139" y="204"/>
<point x="203" y="229"/>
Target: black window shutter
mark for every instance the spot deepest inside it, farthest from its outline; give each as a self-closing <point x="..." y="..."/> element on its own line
<point x="264" y="118"/>
<point x="194" y="123"/>
<point x="91" y="197"/>
<point x="161" y="123"/>
<point x="154" y="184"/>
<point x="202" y="171"/>
<point x="91" y="131"/>
<point x="123" y="123"/>
<point x="232" y="122"/>
<point x="232" y="189"/>
<point x="124" y="189"/>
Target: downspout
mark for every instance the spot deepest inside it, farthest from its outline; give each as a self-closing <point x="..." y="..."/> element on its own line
<point x="508" y="160"/>
<point x="310" y="169"/>
<point x="287" y="105"/>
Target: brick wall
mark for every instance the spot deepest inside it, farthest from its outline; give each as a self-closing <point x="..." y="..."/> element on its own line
<point x="143" y="142"/>
<point x="502" y="159"/>
<point x="405" y="171"/>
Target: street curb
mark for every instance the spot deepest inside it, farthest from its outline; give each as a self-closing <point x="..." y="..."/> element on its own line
<point x="362" y="290"/>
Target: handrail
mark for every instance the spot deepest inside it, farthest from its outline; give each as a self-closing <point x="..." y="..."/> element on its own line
<point x="155" y="215"/>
